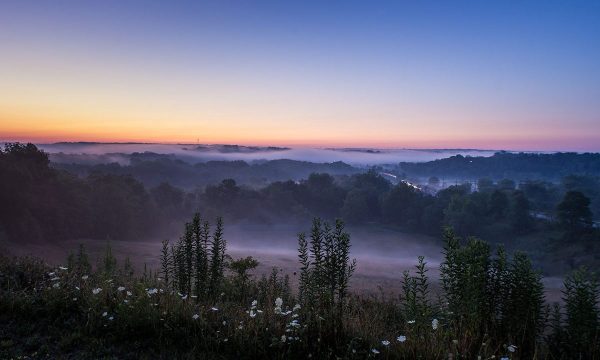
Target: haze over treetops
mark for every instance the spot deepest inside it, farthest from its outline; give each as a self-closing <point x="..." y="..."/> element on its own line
<point x="434" y="74"/>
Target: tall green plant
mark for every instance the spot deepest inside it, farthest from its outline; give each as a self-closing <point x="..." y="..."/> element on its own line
<point x="217" y="259"/>
<point x="581" y="305"/>
<point x="326" y="271"/>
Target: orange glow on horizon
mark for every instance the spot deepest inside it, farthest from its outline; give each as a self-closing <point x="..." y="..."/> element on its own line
<point x="48" y="132"/>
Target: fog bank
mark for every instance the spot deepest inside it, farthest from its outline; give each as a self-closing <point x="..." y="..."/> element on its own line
<point x="199" y="153"/>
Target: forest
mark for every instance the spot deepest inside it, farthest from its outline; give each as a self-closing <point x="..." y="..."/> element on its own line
<point x="517" y="166"/>
<point x="50" y="204"/>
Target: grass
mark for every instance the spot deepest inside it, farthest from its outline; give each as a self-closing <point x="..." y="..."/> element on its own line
<point x="57" y="312"/>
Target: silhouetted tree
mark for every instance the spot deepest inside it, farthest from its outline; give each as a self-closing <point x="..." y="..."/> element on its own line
<point x="574" y="212"/>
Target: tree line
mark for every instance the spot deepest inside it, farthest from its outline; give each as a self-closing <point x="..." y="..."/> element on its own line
<point x="46" y="203"/>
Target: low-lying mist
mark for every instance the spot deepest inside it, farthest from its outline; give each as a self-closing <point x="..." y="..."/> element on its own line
<point x="382" y="254"/>
<point x="199" y="153"/>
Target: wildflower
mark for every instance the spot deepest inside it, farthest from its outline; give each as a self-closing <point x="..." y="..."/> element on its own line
<point x="126" y="301"/>
<point x="224" y="322"/>
<point x="296" y="307"/>
<point x="85" y="277"/>
<point x="254" y="303"/>
<point x="411" y="321"/>
<point x="375" y="351"/>
<point x="259" y="311"/>
<point x="278" y="304"/>
<point x="55" y="278"/>
<point x="401" y="338"/>
<point x="283" y="337"/>
<point x="121" y="288"/>
<point x="252" y="314"/>
<point x="77" y="288"/>
<point x="109" y="281"/>
<point x="152" y="291"/>
<point x="195" y="317"/>
<point x="129" y="293"/>
<point x="225" y="340"/>
<point x="111" y="318"/>
<point x="56" y="285"/>
<point x="104" y="314"/>
<point x="96" y="291"/>
<point x="184" y="297"/>
<point x="51" y="273"/>
<point x="512" y="348"/>
<point x="240" y="327"/>
<point x="214" y="309"/>
<point x="385" y="343"/>
<point x="434" y="324"/>
<point x="63" y="268"/>
<point x="455" y="341"/>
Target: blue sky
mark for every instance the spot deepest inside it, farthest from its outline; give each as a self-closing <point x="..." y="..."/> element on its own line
<point x="497" y="74"/>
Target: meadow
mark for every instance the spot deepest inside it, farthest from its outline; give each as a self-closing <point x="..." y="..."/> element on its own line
<point x="201" y="303"/>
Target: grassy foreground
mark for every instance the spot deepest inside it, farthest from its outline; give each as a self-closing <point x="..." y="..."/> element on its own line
<point x="202" y="304"/>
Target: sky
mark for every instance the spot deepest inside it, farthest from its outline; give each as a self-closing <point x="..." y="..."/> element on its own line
<point x="515" y="75"/>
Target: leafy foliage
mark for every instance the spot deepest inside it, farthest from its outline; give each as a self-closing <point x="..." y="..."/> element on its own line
<point x="488" y="306"/>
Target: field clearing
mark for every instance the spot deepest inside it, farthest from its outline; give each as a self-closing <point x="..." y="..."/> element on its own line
<point x="382" y="254"/>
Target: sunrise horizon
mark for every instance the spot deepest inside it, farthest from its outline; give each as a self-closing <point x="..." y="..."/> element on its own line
<point x="488" y="76"/>
<point x="525" y="145"/>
